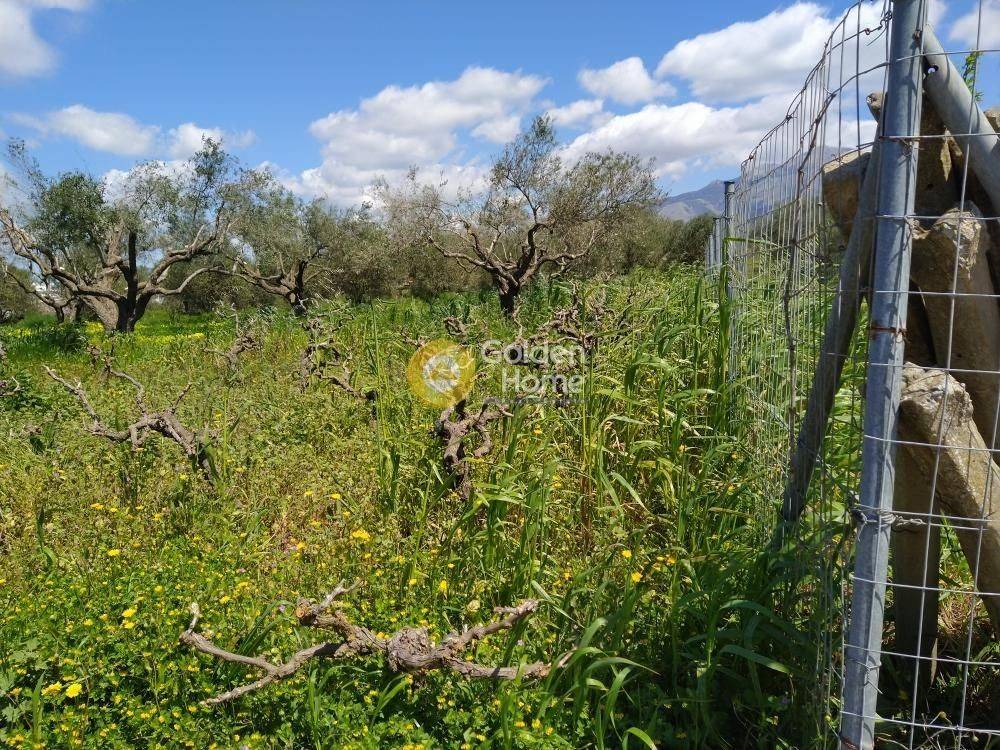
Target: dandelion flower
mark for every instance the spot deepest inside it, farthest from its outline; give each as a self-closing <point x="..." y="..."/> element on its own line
<point x="627" y="554"/>
<point x="52" y="689"/>
<point x="361" y="535"/>
<point x="443" y="587"/>
<point x="130" y="612"/>
<point x="114" y="552"/>
<point x="636" y="577"/>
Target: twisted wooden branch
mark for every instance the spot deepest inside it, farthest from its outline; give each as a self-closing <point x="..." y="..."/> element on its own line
<point x="247" y="340"/>
<point x="409" y="650"/>
<point x="163" y="422"/>
<point x="9" y="387"/>
<point x="457" y="329"/>
<point x="455" y="427"/>
<point x="321" y="355"/>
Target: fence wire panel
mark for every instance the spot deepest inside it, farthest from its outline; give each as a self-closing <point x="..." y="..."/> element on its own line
<point x="792" y="224"/>
<point x="940" y="649"/>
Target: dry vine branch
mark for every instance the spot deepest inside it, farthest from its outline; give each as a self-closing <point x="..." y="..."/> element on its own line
<point x="246" y="340"/>
<point x="454" y="427"/>
<point x="163" y="422"/>
<point x="319" y="357"/>
<point x="409" y="650"/>
<point x="457" y="329"/>
<point x="9" y="387"/>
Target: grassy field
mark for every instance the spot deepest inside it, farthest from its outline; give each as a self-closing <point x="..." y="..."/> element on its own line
<point x="633" y="514"/>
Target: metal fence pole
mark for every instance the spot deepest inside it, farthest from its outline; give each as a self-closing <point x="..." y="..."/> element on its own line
<point x="726" y="225"/>
<point x="727" y="215"/>
<point x="890" y="284"/>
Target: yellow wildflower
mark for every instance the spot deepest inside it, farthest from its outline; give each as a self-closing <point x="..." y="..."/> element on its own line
<point x="52" y="689"/>
<point x="114" y="552"/>
<point x="74" y="690"/>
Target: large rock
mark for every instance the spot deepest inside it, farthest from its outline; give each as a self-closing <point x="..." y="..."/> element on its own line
<point x="841" y="180"/>
<point x="950" y="268"/>
<point x="938" y="186"/>
<point x="938" y="432"/>
<point x="919" y="344"/>
<point x="993" y="116"/>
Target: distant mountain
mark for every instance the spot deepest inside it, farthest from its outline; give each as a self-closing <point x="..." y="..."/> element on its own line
<point x="772" y="181"/>
<point x="685" y="206"/>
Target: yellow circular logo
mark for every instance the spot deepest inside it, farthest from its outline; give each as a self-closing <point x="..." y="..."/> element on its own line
<point x="441" y="372"/>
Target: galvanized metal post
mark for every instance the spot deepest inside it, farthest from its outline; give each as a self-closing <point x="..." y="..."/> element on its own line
<point x="727" y="211"/>
<point x="890" y="283"/>
<point x="727" y="269"/>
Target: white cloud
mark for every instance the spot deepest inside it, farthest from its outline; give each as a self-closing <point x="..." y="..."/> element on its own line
<point x="118" y="133"/>
<point x="188" y="138"/>
<point x="501" y="130"/>
<point x="22" y="52"/>
<point x="626" y="81"/>
<point x="752" y="58"/>
<point x="682" y="135"/>
<point x="113" y="132"/>
<point x="979" y="32"/>
<point x="421" y="126"/>
<point x="580" y="112"/>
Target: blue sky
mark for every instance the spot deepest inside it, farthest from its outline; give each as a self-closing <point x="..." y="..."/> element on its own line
<point x="331" y="95"/>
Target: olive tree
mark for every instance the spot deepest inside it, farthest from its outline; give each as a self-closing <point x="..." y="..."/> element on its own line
<point x="294" y="249"/>
<point x="110" y="247"/>
<point x="537" y="210"/>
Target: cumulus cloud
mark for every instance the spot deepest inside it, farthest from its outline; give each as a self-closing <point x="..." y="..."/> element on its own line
<point x="421" y="126"/>
<point x="580" y="112"/>
<point x="187" y="138"/>
<point x="23" y="53"/>
<point x="121" y="134"/>
<point x="113" y="132"/>
<point x="774" y="54"/>
<point x="751" y="59"/>
<point x="501" y="130"/>
<point x="683" y="135"/>
<point x="626" y="81"/>
<point x="979" y="32"/>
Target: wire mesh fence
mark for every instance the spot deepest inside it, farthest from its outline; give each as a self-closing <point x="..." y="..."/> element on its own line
<point x="861" y="249"/>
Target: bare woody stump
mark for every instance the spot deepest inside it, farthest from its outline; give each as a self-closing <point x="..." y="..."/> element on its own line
<point x="939" y="434"/>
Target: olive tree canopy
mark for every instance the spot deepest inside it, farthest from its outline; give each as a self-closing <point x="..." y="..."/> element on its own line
<point x="110" y="246"/>
<point x="536" y="210"/>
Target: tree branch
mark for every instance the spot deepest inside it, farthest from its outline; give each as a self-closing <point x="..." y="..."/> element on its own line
<point x="409" y="650"/>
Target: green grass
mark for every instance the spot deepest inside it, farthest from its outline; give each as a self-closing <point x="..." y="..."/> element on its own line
<point x="636" y="515"/>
